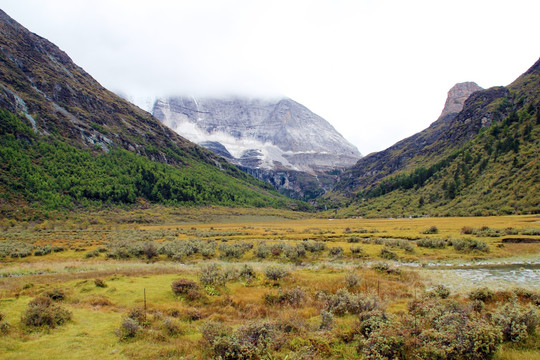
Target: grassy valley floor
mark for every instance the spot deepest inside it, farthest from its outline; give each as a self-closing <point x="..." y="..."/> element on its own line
<point x="260" y="285"/>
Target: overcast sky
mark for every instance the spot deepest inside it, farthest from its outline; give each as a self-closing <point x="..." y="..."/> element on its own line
<point x="378" y="70"/>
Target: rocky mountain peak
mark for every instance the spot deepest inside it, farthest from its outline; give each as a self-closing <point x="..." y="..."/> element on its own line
<point x="457" y="96"/>
<point x="284" y="133"/>
<point x="276" y="140"/>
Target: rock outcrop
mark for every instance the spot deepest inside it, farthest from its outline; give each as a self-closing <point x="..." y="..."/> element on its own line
<point x="457" y="96"/>
<point x="430" y="143"/>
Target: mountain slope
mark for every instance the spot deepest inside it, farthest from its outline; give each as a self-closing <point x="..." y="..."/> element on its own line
<point x="67" y="125"/>
<point x="482" y="160"/>
<point x="279" y="141"/>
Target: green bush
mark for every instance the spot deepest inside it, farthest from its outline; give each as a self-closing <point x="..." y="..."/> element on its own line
<point x="351" y="279"/>
<point x="431" y="230"/>
<point x="467" y="245"/>
<point x="128" y="329"/>
<point x="482" y="294"/>
<point x="211" y="274"/>
<point x="314" y="246"/>
<point x="357" y="250"/>
<point x="276" y="273"/>
<point x="262" y="251"/>
<point x="4" y="325"/>
<point x="182" y="286"/>
<point x="439" y="291"/>
<point x="42" y="312"/>
<point x="387" y="254"/>
<point x="291" y="297"/>
<point x="55" y="294"/>
<point x="100" y="283"/>
<point x="336" y="251"/>
<point x="249" y="341"/>
<point x="343" y="302"/>
<point x="172" y="326"/>
<point x="385" y="342"/>
<point x="516" y="321"/>
<point x="431" y="243"/>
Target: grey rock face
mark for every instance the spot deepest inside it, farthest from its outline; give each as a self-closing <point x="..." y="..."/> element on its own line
<point x="457" y="96"/>
<point x="279" y="141"/>
<point x="260" y="134"/>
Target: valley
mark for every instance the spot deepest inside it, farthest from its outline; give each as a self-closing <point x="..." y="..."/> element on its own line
<point x="252" y="270"/>
<point x="248" y="228"/>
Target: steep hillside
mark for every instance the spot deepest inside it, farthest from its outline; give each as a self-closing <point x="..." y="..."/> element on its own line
<point x="482" y="160"/>
<point x="67" y="141"/>
<point x="279" y="141"/>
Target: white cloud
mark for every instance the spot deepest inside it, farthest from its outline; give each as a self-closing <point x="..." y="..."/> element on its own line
<point x="377" y="70"/>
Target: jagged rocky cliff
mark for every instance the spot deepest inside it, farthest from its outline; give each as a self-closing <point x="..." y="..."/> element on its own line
<point x="416" y="150"/>
<point x="479" y="158"/>
<point x="279" y="141"/>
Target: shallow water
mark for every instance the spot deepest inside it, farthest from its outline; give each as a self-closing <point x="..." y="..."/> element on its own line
<point x="495" y="277"/>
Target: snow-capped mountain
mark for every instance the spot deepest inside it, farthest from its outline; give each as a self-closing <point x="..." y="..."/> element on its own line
<point x="277" y="140"/>
<point x="259" y="133"/>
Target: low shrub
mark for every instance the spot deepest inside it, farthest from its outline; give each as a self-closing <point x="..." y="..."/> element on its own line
<point x="234" y="251"/>
<point x="351" y="279"/>
<point x="137" y="313"/>
<point x="431" y="243"/>
<point x="100" y="283"/>
<point x="150" y="250"/>
<point x="42" y="312"/>
<point x="193" y="295"/>
<point x="482" y="294"/>
<point x="182" y="286"/>
<point x="530" y="231"/>
<point x="291" y="297"/>
<point x="385" y="342"/>
<point x="343" y="302"/>
<point x="55" y="294"/>
<point x="516" y="321"/>
<point x="327" y="320"/>
<point x="43" y="250"/>
<point x="276" y="273"/>
<point x="357" y="250"/>
<point x="247" y="272"/>
<point x="211" y="274"/>
<point x="128" y="329"/>
<point x="208" y="251"/>
<point x="399" y="243"/>
<point x="92" y="254"/>
<point x="262" y="251"/>
<point x="370" y="321"/>
<point x="336" y="251"/>
<point x="439" y="291"/>
<point x="387" y="254"/>
<point x="249" y="341"/>
<point x="431" y="230"/>
<point x="468" y="230"/>
<point x="295" y="252"/>
<point x="315" y="246"/>
<point x="467" y="245"/>
<point x="172" y="326"/>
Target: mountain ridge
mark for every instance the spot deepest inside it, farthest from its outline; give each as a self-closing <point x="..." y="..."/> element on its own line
<point x="72" y="115"/>
<point x="480" y="161"/>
